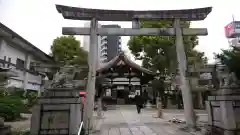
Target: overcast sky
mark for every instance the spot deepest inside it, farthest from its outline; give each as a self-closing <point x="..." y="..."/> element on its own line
<point x="39" y="22"/>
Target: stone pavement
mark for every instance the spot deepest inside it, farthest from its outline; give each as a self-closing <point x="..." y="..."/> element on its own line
<point x="22" y="125"/>
<point x="126" y="121"/>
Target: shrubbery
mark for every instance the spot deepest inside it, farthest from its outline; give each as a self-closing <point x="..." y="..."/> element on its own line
<point x="11" y="108"/>
<point x="21" y="133"/>
<point x="12" y="103"/>
<point x="31" y="96"/>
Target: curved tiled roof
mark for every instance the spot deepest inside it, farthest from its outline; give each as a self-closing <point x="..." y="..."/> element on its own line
<point x="126" y="60"/>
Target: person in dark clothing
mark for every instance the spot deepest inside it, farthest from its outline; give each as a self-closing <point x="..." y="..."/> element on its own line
<point x="139" y="102"/>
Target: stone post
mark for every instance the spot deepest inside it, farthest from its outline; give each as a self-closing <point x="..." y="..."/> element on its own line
<point x="99" y="109"/>
<point x="186" y="93"/>
<point x="88" y="121"/>
<point x="159" y="108"/>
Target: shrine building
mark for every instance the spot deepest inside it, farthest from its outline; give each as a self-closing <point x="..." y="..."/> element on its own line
<point x="123" y="79"/>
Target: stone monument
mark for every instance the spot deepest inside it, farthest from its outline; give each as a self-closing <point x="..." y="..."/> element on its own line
<point x="58" y="110"/>
<point x="223" y="105"/>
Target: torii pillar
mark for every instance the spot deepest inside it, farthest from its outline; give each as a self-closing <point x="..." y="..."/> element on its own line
<point x="182" y="66"/>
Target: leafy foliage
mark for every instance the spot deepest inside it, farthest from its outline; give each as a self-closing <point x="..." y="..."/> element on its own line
<point x="159" y="52"/>
<point x="67" y="50"/>
<point x="230" y="58"/>
<point x="21" y="133"/>
<point x="12" y="103"/>
<point x="11" y="108"/>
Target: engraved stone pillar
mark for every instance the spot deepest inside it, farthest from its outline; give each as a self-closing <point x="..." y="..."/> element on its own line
<point x="186" y="93"/>
<point x="58" y="111"/>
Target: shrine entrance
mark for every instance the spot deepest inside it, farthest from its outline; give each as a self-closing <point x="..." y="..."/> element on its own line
<point x="123" y="80"/>
<point x="176" y="16"/>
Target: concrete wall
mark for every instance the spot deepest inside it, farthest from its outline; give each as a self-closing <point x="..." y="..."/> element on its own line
<point x="24" y="80"/>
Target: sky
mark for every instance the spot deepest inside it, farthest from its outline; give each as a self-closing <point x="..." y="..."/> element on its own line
<point x="39" y="22"/>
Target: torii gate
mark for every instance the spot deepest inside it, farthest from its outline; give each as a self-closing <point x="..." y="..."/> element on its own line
<point x="95" y="15"/>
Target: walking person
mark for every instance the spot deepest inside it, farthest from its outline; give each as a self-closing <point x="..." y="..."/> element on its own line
<point x="139" y="102"/>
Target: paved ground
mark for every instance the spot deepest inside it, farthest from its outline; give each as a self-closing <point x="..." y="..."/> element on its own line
<point x="126" y="121"/>
<point x="22" y="125"/>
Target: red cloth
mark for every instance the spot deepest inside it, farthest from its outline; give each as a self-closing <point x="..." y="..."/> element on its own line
<point x="83" y="93"/>
<point x="83" y="100"/>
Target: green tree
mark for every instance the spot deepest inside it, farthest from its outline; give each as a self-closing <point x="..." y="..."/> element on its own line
<point x="159" y="52"/>
<point x="230" y="58"/>
<point x="67" y="50"/>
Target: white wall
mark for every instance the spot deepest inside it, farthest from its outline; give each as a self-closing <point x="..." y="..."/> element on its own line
<point x="33" y="81"/>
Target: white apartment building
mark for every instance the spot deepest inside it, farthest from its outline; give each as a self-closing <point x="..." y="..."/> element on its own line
<point x="86" y="43"/>
<point x="21" y="57"/>
<point x="110" y="45"/>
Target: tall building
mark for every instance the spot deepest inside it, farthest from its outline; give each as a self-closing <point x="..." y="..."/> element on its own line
<point x="110" y="45"/>
<point x="86" y="43"/>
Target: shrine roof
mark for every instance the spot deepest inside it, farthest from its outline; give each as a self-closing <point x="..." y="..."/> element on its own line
<point x="77" y="13"/>
<point x="122" y="57"/>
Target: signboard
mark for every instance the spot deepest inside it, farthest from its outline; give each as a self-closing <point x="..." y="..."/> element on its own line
<point x="232" y="30"/>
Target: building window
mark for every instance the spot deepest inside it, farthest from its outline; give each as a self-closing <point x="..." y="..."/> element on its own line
<point x="9" y="62"/>
<point x="5" y="59"/>
<point x="20" y="64"/>
<point x="33" y="66"/>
